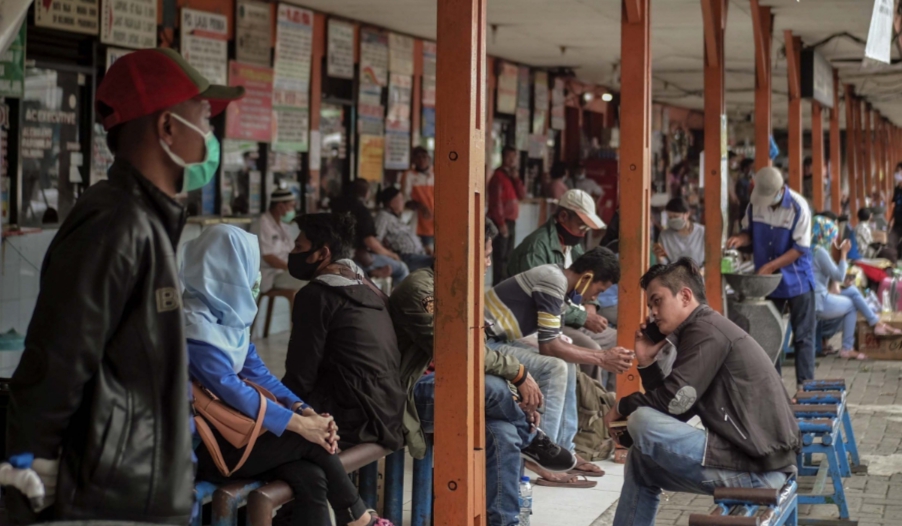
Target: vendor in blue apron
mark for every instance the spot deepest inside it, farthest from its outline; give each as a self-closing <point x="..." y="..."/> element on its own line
<point x="778" y="226"/>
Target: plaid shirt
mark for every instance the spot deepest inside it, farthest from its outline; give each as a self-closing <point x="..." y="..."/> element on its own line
<point x="397" y="235"/>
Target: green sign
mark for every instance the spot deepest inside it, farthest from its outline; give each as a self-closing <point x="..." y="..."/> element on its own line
<point x="12" y="67"/>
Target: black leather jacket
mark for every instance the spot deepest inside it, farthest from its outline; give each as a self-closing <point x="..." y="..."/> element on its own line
<point x="103" y="382"/>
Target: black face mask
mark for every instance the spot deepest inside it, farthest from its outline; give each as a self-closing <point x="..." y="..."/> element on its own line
<point x="299" y="268"/>
<point x="569" y="239"/>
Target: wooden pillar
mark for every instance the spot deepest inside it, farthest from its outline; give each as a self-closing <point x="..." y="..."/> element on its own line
<point x="794" y="77"/>
<point x="861" y="189"/>
<point x="868" y="154"/>
<point x="714" y="13"/>
<point x="879" y="160"/>
<point x="763" y="25"/>
<point x="635" y="174"/>
<point x="817" y="155"/>
<point x="835" y="156"/>
<point x="851" y="153"/>
<point x="459" y="483"/>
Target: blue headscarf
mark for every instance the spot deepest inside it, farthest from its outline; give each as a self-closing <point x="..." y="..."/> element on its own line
<point x="219" y="271"/>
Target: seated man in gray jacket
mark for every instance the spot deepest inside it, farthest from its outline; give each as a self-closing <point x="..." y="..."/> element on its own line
<point x="721" y="375"/>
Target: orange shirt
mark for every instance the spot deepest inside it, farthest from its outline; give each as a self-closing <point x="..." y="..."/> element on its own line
<point x="420" y="188"/>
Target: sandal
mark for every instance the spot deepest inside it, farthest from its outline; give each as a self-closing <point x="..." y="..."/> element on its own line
<point x="570" y="481"/>
<point x="852" y="355"/>
<point x="882" y="329"/>
<point x="586" y="468"/>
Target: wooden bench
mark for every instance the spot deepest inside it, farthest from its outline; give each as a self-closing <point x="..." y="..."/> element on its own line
<point x="272" y="294"/>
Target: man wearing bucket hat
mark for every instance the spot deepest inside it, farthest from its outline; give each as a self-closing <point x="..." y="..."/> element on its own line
<point x="778" y="226"/>
<point x="101" y="392"/>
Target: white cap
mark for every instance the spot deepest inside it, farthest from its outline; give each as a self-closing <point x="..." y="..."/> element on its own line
<point x="581" y="203"/>
<point x="768" y="183"/>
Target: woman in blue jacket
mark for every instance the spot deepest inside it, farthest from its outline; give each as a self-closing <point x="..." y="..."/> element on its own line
<point x="221" y="279"/>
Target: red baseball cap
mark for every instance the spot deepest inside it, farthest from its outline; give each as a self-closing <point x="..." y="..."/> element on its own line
<point x="149" y="80"/>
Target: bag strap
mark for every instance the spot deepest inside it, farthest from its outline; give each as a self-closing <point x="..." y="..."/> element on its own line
<point x="209" y="439"/>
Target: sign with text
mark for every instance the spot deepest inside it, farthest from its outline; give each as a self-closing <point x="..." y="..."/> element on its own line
<point x="399" y="99"/>
<point x="400" y="54"/>
<point x="205" y="44"/>
<point x="250" y="118"/>
<point x="558" y="121"/>
<point x="78" y="16"/>
<point x="340" y="50"/>
<point x="369" y="165"/>
<point x="129" y="23"/>
<point x="506" y="97"/>
<point x="540" y="91"/>
<point x="370" y="112"/>
<point x="253" y="33"/>
<point x="397" y="151"/>
<point x="880" y="34"/>
<point x="294" y="48"/>
<point x="12" y="66"/>
<point x="290" y="127"/>
<point x="429" y="65"/>
<point x="373" y="57"/>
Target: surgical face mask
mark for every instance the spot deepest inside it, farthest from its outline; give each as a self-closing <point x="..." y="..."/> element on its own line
<point x="298" y="266"/>
<point x="196" y="175"/>
<point x="676" y="223"/>
<point x="255" y="290"/>
<point x="778" y="198"/>
<point x="289" y="216"/>
<point x="576" y="295"/>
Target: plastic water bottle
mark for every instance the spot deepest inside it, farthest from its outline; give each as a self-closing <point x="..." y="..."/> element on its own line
<point x="525" y="501"/>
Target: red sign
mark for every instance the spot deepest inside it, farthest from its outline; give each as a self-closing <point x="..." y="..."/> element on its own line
<point x="251" y="117"/>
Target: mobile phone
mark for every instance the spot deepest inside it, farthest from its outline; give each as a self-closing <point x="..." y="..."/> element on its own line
<point x="653" y="333"/>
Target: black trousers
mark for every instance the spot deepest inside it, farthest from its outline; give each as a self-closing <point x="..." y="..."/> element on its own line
<point x="501" y="252"/>
<point x="316" y="477"/>
<point x="804" y="326"/>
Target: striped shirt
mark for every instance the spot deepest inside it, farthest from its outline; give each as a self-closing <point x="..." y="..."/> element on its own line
<point x="529" y="302"/>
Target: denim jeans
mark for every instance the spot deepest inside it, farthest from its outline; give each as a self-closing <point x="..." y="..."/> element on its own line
<point x="417" y="261"/>
<point x="399" y="269"/>
<point x="803" y="320"/>
<point x="557" y="380"/>
<point x="506" y="434"/>
<point x="667" y="455"/>
<point x="846" y="305"/>
<point x="826" y="329"/>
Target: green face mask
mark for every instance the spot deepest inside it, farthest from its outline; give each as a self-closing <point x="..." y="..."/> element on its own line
<point x="256" y="288"/>
<point x="289" y="216"/>
<point x="197" y="175"/>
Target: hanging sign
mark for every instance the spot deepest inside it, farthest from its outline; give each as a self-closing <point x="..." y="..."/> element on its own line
<point x="205" y="44"/>
<point x="428" y="123"/>
<point x="12" y="17"/>
<point x="78" y="16"/>
<point x="538" y="120"/>
<point x="373" y="57"/>
<point x="253" y="33"/>
<point x="113" y="54"/>
<point x="129" y="23"/>
<point x="290" y="127"/>
<point x="250" y="118"/>
<point x="521" y="129"/>
<point x="400" y="54"/>
<point x="291" y="81"/>
<point x="399" y="103"/>
<point x="397" y="151"/>
<point x="340" y="50"/>
<point x="429" y="64"/>
<point x="523" y="88"/>
<point x="540" y="91"/>
<point x="369" y="165"/>
<point x="557" y="105"/>
<point x="537" y="146"/>
<point x="506" y="101"/>
<point x="370" y="112"/>
<point x="880" y="34"/>
<point x="12" y="66"/>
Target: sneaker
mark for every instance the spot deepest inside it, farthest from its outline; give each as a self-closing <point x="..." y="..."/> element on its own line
<point x="548" y="455"/>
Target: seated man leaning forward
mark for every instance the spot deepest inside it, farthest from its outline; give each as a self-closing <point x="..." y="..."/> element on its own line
<point x="343" y="356"/>
<point x="721" y="375"/>
<point x="510" y="427"/>
<point x="533" y="302"/>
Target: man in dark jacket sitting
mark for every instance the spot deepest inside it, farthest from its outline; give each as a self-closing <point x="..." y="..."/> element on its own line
<point x="343" y="354"/>
<point x="720" y="375"/>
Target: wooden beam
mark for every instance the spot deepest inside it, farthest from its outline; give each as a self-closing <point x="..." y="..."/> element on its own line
<point x="859" y="163"/>
<point x="869" y="164"/>
<point x="715" y="148"/>
<point x="794" y="78"/>
<point x="459" y="475"/>
<point x="851" y="153"/>
<point x="817" y="155"/>
<point x="835" y="155"/>
<point x="635" y="176"/>
<point x="762" y="22"/>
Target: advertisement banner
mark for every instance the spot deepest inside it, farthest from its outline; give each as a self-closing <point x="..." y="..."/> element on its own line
<point x="129" y="23"/>
<point x="397" y="151"/>
<point x="12" y="66"/>
<point x="290" y="129"/>
<point x="370" y="112"/>
<point x="521" y="129"/>
<point x="340" y="50"/>
<point x="558" y="121"/>
<point x="373" y="57"/>
<point x="294" y="48"/>
<point x="77" y="16"/>
<point x="523" y="88"/>
<point x="400" y="54"/>
<point x="880" y="33"/>
<point x="205" y="44"/>
<point x="506" y="101"/>
<point x="429" y="63"/>
<point x="540" y="91"/>
<point x="253" y="33"/>
<point x="399" y="99"/>
<point x="369" y="164"/>
<point x="250" y="118"/>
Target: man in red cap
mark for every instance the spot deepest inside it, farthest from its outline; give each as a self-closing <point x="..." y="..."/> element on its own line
<point x="99" y="401"/>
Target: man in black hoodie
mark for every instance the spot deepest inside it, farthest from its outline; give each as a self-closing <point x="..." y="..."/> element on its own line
<point x="343" y="355"/>
<point x="722" y="376"/>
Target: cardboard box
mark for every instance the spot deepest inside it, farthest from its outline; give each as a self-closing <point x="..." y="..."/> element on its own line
<point x="880" y="347"/>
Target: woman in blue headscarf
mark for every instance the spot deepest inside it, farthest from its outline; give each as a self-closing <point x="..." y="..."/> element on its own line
<point x="221" y="279"/>
<point x="849" y="301"/>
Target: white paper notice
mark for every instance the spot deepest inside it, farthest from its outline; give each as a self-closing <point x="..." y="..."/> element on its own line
<point x="79" y="16"/>
<point x="880" y="34"/>
<point x="294" y="47"/>
<point x="129" y="23"/>
<point x="205" y="44"/>
<point x="253" y="33"/>
<point x="400" y="54"/>
<point x="373" y="57"/>
<point x="340" y="56"/>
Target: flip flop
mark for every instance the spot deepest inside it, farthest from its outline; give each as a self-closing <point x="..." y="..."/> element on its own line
<point x="586" y="468"/>
<point x="572" y="481"/>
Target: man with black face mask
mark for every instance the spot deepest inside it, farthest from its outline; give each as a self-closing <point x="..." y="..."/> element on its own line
<point x="343" y="355"/>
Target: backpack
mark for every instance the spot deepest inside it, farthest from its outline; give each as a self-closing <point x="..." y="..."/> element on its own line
<point x="593" y="442"/>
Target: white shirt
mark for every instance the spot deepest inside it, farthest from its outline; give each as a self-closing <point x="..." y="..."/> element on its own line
<point x="275" y="240"/>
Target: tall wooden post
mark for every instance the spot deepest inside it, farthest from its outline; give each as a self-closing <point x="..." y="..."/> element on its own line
<point x="851" y="153"/>
<point x="794" y="77"/>
<point x="835" y="156"/>
<point x="817" y="155"/>
<point x="763" y="25"/>
<point x="459" y="227"/>
<point x="868" y="154"/>
<point x="860" y="161"/>
<point x="714" y="13"/>
<point x="635" y="174"/>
